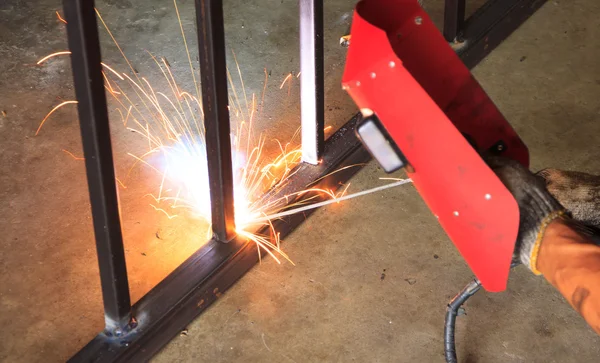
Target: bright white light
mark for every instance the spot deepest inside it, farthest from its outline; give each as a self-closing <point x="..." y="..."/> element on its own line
<point x="185" y="165"/>
<point x="379" y="146"/>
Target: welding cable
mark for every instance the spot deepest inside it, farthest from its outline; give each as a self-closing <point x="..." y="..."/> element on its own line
<point x="451" y="313"/>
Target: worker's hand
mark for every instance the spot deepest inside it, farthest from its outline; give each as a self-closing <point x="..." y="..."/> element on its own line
<point x="578" y="192"/>
<point x="537" y="207"/>
<point x="569" y="255"/>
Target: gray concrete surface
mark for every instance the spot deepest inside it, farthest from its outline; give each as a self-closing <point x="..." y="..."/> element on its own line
<point x="334" y="305"/>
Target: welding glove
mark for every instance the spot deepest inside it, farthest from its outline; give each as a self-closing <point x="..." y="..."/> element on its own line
<point x="537" y="207"/>
<point x="578" y="192"/>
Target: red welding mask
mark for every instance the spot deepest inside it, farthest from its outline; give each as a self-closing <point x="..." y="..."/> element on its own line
<point x="422" y="108"/>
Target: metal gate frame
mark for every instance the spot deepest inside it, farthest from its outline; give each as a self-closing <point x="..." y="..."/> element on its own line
<point x="137" y="332"/>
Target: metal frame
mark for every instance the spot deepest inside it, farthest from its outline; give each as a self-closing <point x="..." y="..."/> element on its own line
<point x="213" y="74"/>
<point x="312" y="86"/>
<point x="135" y="333"/>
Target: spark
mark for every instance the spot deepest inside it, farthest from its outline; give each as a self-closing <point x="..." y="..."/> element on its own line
<point x="120" y="183"/>
<point x="285" y="80"/>
<point x="241" y="79"/>
<point x="169" y="120"/>
<point x="187" y="51"/>
<point x="52" y="56"/>
<point x="395" y="179"/>
<point x="115" y="41"/>
<point x="124" y="119"/>
<point x="143" y="162"/>
<point x="110" y="89"/>
<point x="337" y="171"/>
<point x="343" y="193"/>
<point x="112" y="70"/>
<point x="331" y="201"/>
<point x="162" y="210"/>
<point x="60" y="17"/>
<point x="162" y="183"/>
<point x="262" y="98"/>
<point x="51" y="112"/>
<point x="174" y="205"/>
<point x="265" y="343"/>
<point x="73" y="156"/>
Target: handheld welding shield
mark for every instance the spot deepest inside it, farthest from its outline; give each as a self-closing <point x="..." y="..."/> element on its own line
<point x="418" y="101"/>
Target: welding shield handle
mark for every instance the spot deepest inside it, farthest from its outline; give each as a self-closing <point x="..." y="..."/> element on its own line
<point x="537" y="207"/>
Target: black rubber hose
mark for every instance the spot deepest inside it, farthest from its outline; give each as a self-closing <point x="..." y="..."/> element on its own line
<point x="451" y="313"/>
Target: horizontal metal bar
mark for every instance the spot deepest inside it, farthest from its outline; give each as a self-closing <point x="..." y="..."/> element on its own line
<point x="491" y="25"/>
<point x="84" y="43"/>
<point x="213" y="73"/>
<point x="312" y="84"/>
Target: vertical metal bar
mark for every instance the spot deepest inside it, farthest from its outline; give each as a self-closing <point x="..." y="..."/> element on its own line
<point x="312" y="94"/>
<point x="454" y="19"/>
<point x="84" y="44"/>
<point x="213" y="73"/>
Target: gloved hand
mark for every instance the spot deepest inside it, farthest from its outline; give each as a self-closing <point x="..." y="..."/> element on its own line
<point x="537" y="207"/>
<point x="578" y="192"/>
<point x="569" y="252"/>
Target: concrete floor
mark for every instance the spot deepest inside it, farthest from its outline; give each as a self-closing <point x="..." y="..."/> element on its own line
<point x="334" y="304"/>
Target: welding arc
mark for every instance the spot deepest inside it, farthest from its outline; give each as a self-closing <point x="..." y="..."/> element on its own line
<point x="331" y="201"/>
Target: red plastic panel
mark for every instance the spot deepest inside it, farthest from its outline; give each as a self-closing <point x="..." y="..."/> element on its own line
<point x="400" y="67"/>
